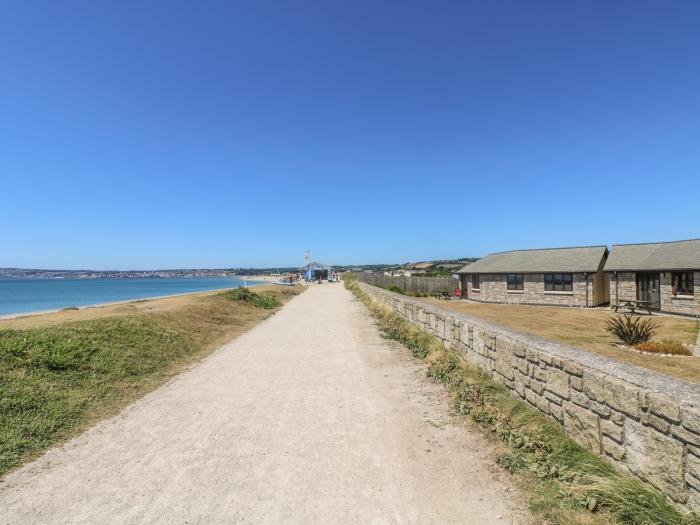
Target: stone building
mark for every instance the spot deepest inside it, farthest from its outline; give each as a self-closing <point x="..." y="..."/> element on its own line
<point x="666" y="274"/>
<point x="553" y="276"/>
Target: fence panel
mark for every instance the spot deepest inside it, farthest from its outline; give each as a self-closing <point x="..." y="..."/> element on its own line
<point x="408" y="284"/>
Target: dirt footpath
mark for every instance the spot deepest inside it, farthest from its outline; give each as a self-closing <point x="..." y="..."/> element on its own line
<point x="311" y="417"/>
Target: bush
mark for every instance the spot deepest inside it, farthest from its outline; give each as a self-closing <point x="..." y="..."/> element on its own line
<point x="245" y="294"/>
<point x="667" y="346"/>
<point x="631" y="330"/>
<point x="394" y="288"/>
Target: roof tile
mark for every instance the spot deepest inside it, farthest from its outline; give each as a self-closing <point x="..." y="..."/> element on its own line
<point x="547" y="260"/>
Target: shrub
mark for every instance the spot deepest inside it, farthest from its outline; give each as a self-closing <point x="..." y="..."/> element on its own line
<point x="667" y="346"/>
<point x="245" y="294"/>
<point x="631" y="330"/>
<point x="394" y="288"/>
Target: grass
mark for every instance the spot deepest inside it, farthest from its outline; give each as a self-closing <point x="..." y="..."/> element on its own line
<point x="567" y="484"/>
<point x="247" y="295"/>
<point x="58" y="377"/>
<point x="585" y="328"/>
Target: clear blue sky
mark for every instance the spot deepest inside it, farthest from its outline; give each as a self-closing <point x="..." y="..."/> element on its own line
<point x="138" y="134"/>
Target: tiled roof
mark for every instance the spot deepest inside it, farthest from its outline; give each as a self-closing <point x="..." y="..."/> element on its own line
<point x="677" y="255"/>
<point x="547" y="260"/>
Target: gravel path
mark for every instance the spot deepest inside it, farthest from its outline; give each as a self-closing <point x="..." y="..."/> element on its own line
<point x="311" y="417"/>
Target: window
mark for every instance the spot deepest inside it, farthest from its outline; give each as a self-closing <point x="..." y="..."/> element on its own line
<point x="683" y="283"/>
<point x="475" y="281"/>
<point x="558" y="282"/>
<point x="515" y="281"/>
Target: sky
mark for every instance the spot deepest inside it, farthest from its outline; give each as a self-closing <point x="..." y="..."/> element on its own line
<point x="172" y="134"/>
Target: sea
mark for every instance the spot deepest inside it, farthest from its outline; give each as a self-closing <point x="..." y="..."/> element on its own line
<point x="30" y="295"/>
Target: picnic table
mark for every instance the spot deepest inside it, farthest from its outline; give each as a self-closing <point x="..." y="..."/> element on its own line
<point x="442" y="295"/>
<point x="633" y="305"/>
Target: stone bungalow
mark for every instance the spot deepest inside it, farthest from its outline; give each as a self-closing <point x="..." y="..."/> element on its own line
<point x="667" y="274"/>
<point x="554" y="276"/>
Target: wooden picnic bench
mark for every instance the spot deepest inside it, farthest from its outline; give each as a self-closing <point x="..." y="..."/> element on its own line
<point x="633" y="305"/>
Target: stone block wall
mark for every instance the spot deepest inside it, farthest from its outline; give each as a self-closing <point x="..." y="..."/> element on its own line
<point x="623" y="287"/>
<point x="493" y="288"/>
<point x="643" y="422"/>
<point x="679" y="304"/>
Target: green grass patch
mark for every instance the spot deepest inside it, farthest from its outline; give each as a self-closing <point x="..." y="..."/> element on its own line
<point x="50" y="376"/>
<point x="568" y="485"/>
<point x="247" y="295"/>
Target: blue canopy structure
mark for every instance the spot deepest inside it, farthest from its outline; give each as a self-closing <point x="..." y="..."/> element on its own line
<point x="316" y="270"/>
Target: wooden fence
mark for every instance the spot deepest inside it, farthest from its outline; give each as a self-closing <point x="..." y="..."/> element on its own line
<point x="410" y="284"/>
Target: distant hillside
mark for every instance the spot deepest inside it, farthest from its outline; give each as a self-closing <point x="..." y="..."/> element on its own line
<point x="443" y="267"/>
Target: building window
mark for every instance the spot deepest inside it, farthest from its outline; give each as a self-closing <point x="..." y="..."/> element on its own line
<point x="475" y="282"/>
<point x="683" y="283"/>
<point x="558" y="282"/>
<point x="515" y="281"/>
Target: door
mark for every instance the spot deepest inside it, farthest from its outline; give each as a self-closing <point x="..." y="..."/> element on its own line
<point x="464" y="278"/>
<point x="648" y="289"/>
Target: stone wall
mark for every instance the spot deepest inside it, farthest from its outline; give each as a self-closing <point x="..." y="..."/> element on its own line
<point x="493" y="288"/>
<point x="643" y="422"/>
<point x="623" y="286"/>
<point x="687" y="305"/>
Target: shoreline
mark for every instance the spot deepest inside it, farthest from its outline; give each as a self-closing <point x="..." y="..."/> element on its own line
<point x="16" y="315"/>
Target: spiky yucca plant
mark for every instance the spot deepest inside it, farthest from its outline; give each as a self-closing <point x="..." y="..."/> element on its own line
<point x="631" y="329"/>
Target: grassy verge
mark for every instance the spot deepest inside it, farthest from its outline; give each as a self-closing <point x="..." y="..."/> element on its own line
<point x="567" y="484"/>
<point x="57" y="379"/>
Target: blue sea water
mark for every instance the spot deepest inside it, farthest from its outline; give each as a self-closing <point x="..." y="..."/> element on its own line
<point x="29" y="295"/>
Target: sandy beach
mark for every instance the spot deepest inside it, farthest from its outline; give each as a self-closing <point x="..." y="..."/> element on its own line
<point x="153" y="304"/>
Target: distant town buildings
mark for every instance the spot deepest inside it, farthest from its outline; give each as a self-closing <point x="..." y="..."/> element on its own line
<point x="22" y="273"/>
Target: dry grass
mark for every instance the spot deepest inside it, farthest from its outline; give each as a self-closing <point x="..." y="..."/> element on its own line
<point x="585" y="328"/>
<point x="664" y="347"/>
